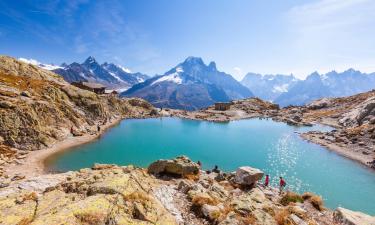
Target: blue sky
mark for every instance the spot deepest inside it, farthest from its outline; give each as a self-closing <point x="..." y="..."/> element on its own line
<point x="242" y="36"/>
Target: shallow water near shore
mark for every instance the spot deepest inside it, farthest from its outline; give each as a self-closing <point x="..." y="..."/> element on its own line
<point x="272" y="146"/>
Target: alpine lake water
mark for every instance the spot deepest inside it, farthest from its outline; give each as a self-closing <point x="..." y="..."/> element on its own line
<point x="273" y="147"/>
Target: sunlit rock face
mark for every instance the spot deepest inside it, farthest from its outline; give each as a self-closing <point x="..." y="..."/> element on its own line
<point x="38" y="108"/>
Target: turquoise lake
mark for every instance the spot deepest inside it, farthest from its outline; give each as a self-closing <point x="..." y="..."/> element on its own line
<point x="274" y="147"/>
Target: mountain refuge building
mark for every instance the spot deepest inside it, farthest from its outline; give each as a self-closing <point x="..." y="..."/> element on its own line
<point x="94" y="87"/>
<point x="222" y="106"/>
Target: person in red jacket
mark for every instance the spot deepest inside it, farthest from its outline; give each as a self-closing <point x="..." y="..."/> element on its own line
<point x="267" y="181"/>
<point x="282" y="184"/>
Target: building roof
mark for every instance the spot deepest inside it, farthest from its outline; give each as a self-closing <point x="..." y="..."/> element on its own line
<point x="93" y="85"/>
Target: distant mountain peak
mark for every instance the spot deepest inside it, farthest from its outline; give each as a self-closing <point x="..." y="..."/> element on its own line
<point x="212" y="65"/>
<point x="90" y="60"/>
<point x="351" y="70"/>
<point x="193" y="60"/>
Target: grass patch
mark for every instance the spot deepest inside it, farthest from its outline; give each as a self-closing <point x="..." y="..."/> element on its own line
<point x="307" y="195"/>
<point x="281" y="217"/>
<point x="317" y="202"/>
<point x="291" y="197"/>
<point x="314" y="199"/>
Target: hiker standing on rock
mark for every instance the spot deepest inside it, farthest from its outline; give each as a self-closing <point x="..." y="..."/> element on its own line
<point x="267" y="181"/>
<point x="216" y="169"/>
<point x="282" y="185"/>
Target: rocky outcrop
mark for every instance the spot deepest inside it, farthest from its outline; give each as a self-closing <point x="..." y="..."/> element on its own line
<point x="361" y="114"/>
<point x="348" y="217"/>
<point x="38" y="108"/>
<point x="180" y="166"/>
<point x="319" y="104"/>
<point x="248" y="176"/>
<point x="111" y="194"/>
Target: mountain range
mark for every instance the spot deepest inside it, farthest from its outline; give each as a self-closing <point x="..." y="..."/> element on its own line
<point x="269" y="87"/>
<point x="190" y="85"/>
<point x="332" y="84"/>
<point x="288" y="90"/>
<point x="193" y="85"/>
<point x="111" y="75"/>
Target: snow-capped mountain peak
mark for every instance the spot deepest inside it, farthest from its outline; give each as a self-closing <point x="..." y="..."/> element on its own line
<point x="90" y="60"/>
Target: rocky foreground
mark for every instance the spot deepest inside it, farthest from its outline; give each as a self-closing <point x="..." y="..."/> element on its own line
<point x="353" y="120"/>
<point x="168" y="192"/>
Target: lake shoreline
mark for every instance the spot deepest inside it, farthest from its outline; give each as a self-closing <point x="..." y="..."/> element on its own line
<point x="34" y="163"/>
<point x="234" y="115"/>
<point x="342" y="151"/>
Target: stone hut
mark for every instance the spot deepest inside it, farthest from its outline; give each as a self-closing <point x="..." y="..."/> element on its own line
<point x="94" y="87"/>
<point x="222" y="106"/>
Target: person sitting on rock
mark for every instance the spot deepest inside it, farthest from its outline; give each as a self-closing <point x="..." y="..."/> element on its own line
<point x="216" y="169"/>
<point x="267" y="181"/>
<point x="199" y="163"/>
<point x="282" y="185"/>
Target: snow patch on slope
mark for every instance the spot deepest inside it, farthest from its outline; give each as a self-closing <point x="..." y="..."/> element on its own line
<point x="115" y="76"/>
<point x="126" y="70"/>
<point x="39" y="64"/>
<point x="173" y="77"/>
<point x="280" y="88"/>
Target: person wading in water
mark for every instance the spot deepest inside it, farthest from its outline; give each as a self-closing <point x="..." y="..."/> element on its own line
<point x="282" y="185"/>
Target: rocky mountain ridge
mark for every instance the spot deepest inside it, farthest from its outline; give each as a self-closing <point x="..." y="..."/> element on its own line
<point x="332" y="84"/>
<point x="269" y="87"/>
<point x="110" y="75"/>
<point x="190" y="85"/>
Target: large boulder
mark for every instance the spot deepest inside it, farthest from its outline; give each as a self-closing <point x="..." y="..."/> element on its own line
<point x="319" y="104"/>
<point x="248" y="176"/>
<point x="180" y="166"/>
<point x="360" y="114"/>
<point x="348" y="217"/>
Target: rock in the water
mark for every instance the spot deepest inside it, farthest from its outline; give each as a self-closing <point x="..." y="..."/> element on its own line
<point x="348" y="217"/>
<point x="248" y="176"/>
<point x="180" y="166"/>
